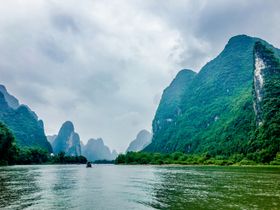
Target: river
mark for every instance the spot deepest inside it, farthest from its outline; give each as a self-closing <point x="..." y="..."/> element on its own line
<point x="138" y="187"/>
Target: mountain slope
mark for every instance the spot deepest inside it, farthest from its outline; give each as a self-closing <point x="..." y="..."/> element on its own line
<point x="143" y="138"/>
<point x="217" y="112"/>
<point x="67" y="140"/>
<point x="51" y="138"/>
<point x="11" y="100"/>
<point x="169" y="106"/>
<point x="95" y="149"/>
<point x="266" y="92"/>
<point x="24" y="123"/>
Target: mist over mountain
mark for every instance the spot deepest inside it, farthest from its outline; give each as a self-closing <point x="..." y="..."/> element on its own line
<point x="67" y="140"/>
<point x="142" y="139"/>
<point x="95" y="149"/>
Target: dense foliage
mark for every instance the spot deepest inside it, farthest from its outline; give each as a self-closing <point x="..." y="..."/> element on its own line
<point x="266" y="141"/>
<point x="8" y="149"/>
<point x="40" y="156"/>
<point x="187" y="159"/>
<point x="10" y="153"/>
<point x="61" y="158"/>
<point x="32" y="156"/>
<point x="215" y="109"/>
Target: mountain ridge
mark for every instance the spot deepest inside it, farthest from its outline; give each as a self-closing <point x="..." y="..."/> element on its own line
<point x="22" y="121"/>
<point x="67" y="140"/>
<point x="95" y="149"/>
<point x="142" y="139"/>
<point x="216" y="107"/>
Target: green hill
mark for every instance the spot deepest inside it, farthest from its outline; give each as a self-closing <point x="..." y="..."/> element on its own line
<point x="24" y="124"/>
<point x="223" y="110"/>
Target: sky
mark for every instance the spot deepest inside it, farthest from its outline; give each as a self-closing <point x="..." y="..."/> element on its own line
<point x="104" y="64"/>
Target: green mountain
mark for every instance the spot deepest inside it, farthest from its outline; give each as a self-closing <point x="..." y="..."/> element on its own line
<point x="23" y="123"/>
<point x="230" y="107"/>
<point x="67" y="140"/>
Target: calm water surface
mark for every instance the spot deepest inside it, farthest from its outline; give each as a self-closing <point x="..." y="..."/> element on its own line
<point x="138" y="187"/>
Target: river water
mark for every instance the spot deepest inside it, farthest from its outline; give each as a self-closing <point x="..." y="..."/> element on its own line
<point x="138" y="187"/>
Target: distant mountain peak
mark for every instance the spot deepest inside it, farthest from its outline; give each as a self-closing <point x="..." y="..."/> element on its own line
<point x="95" y="149"/>
<point x="22" y="121"/>
<point x="240" y="40"/>
<point x="3" y="88"/>
<point x="96" y="141"/>
<point x="67" y="125"/>
<point x="67" y="140"/>
<point x="214" y="111"/>
<point x="11" y="100"/>
<point x="240" y="37"/>
<point x="143" y="138"/>
<point x="143" y="133"/>
<point x="3" y="102"/>
<point x="185" y="71"/>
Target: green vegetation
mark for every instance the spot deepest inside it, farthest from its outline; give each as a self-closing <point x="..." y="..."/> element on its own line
<point x="11" y="154"/>
<point x="8" y="149"/>
<point x="212" y="117"/>
<point x="41" y="156"/>
<point x="212" y="107"/>
<point x="215" y="108"/>
<point x="27" y="129"/>
<point x="62" y="159"/>
<point x="187" y="159"/>
<point x="266" y="141"/>
<point x="32" y="156"/>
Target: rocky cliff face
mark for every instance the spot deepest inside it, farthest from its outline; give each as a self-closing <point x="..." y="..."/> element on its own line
<point x="258" y="85"/>
<point x="95" y="149"/>
<point x="143" y="138"/>
<point x="22" y="121"/>
<point x="67" y="140"/>
<point x="266" y="89"/>
<point x="221" y="107"/>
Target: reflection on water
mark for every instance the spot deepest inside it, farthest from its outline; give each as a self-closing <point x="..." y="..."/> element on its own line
<point x="18" y="188"/>
<point x="218" y="188"/>
<point x="138" y="187"/>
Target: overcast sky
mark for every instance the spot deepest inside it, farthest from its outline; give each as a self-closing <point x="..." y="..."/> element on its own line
<point x="104" y="64"/>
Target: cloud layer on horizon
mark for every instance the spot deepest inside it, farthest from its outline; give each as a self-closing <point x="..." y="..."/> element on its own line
<point x="104" y="64"/>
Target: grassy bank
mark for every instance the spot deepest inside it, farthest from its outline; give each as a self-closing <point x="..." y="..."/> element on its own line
<point x="189" y="159"/>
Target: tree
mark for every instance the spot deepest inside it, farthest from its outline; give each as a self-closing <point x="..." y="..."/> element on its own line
<point x="8" y="149"/>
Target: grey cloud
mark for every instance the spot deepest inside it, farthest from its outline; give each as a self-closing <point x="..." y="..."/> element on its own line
<point x="104" y="64"/>
<point x="51" y="49"/>
<point x="65" y="22"/>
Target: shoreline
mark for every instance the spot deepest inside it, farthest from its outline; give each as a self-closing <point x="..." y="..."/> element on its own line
<point x="199" y="165"/>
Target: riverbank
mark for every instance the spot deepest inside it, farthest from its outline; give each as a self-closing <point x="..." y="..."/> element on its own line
<point x="30" y="156"/>
<point x="178" y="158"/>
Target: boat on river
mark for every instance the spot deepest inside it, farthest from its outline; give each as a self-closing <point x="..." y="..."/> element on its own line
<point x="89" y="165"/>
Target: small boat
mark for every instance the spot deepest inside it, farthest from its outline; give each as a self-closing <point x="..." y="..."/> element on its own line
<point x="88" y="164"/>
